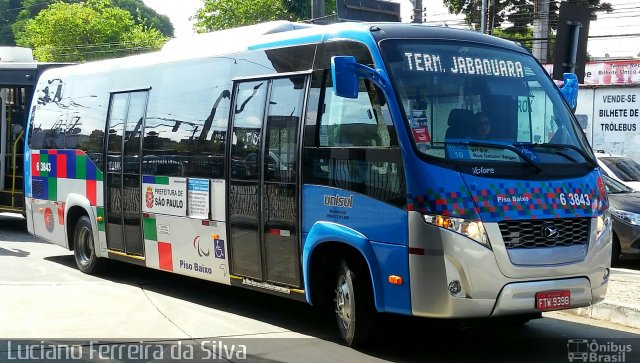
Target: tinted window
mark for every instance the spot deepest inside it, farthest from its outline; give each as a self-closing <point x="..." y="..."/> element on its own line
<point x="133" y="129"/>
<point x="71" y="114"/>
<point x="247" y="130"/>
<point x="117" y="117"/>
<point x="458" y="94"/>
<point x="615" y="187"/>
<point x="624" y="168"/>
<point x="285" y="109"/>
<point x="341" y="47"/>
<point x="362" y="122"/>
<point x="186" y="124"/>
<point x="356" y="147"/>
<point x="48" y="122"/>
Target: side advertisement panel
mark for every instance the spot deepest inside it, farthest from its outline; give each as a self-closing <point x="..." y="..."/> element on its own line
<point x="164" y="195"/>
<point x="191" y="247"/>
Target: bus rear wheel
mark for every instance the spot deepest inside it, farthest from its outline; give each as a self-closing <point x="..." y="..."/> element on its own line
<point x="84" y="247"/>
<point x="353" y="305"/>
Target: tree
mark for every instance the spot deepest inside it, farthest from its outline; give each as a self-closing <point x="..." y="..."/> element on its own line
<point x="301" y="9"/>
<point x="524" y="36"/>
<point x="224" y="14"/>
<point x="141" y="13"/>
<point x="90" y="30"/>
<point x="518" y="12"/>
<point x="9" y="10"/>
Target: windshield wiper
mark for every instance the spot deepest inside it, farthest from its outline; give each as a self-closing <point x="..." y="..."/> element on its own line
<point x="563" y="147"/>
<point x="503" y="146"/>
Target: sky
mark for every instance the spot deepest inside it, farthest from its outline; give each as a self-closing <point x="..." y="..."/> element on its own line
<point x="622" y="21"/>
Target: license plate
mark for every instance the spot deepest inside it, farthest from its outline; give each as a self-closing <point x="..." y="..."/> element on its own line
<point x="552" y="300"/>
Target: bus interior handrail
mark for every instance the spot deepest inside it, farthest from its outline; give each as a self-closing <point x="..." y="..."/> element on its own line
<point x="13" y="179"/>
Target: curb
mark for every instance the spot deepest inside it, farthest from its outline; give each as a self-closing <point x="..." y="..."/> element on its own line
<point x="615" y="313"/>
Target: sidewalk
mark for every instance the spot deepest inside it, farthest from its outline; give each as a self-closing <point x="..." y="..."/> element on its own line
<point x="622" y="304"/>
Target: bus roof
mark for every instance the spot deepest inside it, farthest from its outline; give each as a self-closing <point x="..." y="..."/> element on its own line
<point x="278" y="34"/>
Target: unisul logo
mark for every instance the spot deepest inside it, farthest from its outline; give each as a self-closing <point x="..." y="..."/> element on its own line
<point x="583" y="350"/>
<point x="338" y="201"/>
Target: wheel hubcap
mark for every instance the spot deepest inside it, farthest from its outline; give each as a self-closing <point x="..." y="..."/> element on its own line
<point x="85" y="245"/>
<point x="343" y="302"/>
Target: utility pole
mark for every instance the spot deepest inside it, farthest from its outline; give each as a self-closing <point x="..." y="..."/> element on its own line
<point x="317" y="9"/>
<point x="483" y="15"/>
<point x="417" y="11"/>
<point x="541" y="30"/>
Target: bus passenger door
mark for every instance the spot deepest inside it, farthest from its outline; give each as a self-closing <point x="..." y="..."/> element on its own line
<point x="123" y="183"/>
<point x="263" y="181"/>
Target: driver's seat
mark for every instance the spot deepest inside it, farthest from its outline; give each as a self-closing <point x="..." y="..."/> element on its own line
<point x="459" y="122"/>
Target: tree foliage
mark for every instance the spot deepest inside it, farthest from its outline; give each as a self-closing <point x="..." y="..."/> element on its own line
<point x="95" y="29"/>
<point x="224" y="14"/>
<point x="301" y="9"/>
<point x="9" y="10"/>
<point x="520" y="13"/>
<point x="142" y="14"/>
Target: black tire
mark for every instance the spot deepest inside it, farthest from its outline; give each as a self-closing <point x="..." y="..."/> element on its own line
<point x="84" y="247"/>
<point x="615" y="251"/>
<point x="354" y="308"/>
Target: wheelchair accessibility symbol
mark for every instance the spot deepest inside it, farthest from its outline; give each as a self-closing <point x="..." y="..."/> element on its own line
<point x="218" y="247"/>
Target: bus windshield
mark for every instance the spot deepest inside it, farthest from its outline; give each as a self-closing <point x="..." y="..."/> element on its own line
<point x="474" y="103"/>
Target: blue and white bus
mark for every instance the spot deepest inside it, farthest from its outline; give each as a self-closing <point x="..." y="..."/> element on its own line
<point x="335" y="164"/>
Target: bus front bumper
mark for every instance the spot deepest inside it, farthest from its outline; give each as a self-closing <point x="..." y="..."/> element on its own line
<point x="456" y="277"/>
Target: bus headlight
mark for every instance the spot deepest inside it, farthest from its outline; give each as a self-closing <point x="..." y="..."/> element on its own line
<point x="602" y="222"/>
<point x="472" y="229"/>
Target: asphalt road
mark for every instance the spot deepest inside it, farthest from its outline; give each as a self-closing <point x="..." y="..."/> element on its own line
<point x="45" y="301"/>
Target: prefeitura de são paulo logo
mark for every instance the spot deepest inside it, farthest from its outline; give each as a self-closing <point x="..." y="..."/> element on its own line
<point x="149" y="197"/>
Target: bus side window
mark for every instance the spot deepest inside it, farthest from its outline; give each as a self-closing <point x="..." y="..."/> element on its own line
<point x="356" y="147"/>
<point x="186" y="124"/>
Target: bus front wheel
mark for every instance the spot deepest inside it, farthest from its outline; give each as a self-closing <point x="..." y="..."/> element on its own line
<point x="353" y="305"/>
<point x="84" y="247"/>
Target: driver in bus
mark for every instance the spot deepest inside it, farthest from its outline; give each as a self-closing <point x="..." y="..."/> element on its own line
<point x="481" y="126"/>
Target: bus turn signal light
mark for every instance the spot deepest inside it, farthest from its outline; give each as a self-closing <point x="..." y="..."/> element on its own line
<point x="395" y="280"/>
<point x="99" y="219"/>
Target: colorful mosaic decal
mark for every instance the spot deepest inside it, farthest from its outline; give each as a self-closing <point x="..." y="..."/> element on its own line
<point x="48" y="166"/>
<point x="448" y="203"/>
<point x="503" y="200"/>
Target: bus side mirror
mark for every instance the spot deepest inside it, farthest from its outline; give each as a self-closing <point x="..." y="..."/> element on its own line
<point x="345" y="79"/>
<point x="569" y="89"/>
<point x="345" y="72"/>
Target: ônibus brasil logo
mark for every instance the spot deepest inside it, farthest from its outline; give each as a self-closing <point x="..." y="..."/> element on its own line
<point x="201" y="252"/>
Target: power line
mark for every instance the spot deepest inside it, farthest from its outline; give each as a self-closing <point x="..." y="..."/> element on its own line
<point x="590" y="37"/>
<point x="109" y="51"/>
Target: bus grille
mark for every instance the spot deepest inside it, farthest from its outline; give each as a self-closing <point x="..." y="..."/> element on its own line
<point x="530" y="233"/>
